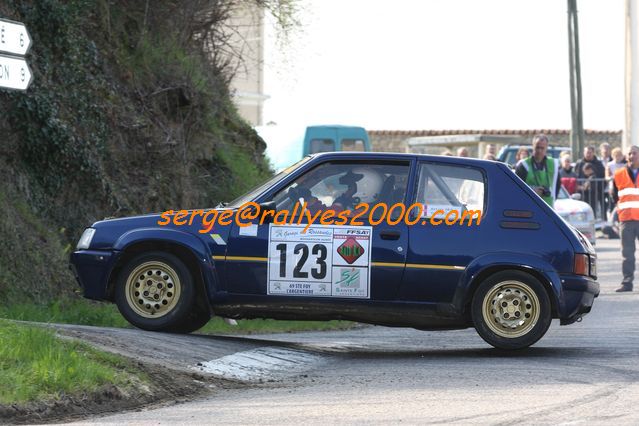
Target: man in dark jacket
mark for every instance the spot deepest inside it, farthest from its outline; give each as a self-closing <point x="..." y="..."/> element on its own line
<point x="598" y="186"/>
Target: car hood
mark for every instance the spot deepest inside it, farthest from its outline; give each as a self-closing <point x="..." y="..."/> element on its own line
<point x="567" y="206"/>
<point x="108" y="231"/>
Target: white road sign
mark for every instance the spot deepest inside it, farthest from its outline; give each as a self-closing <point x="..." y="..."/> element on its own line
<point x="14" y="73"/>
<point x="14" y="37"/>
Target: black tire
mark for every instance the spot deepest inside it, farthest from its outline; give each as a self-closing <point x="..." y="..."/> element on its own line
<point x="139" y="283"/>
<point x="511" y="310"/>
<point x="196" y="320"/>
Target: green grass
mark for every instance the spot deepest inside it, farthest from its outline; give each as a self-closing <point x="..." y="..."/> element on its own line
<point x="70" y="311"/>
<point x="163" y="58"/>
<point x="85" y="312"/>
<point x="34" y="364"/>
<point x="256" y="326"/>
<point x="244" y="178"/>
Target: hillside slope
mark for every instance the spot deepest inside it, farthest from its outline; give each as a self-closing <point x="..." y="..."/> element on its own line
<point x="129" y="113"/>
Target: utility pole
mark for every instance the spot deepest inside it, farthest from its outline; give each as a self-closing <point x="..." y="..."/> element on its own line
<point x="577" y="137"/>
<point x="631" y="124"/>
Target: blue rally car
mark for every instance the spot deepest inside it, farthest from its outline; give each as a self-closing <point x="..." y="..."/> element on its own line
<point x="507" y="276"/>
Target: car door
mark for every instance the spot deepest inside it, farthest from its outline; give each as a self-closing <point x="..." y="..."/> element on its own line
<point x="332" y="260"/>
<point x="439" y="251"/>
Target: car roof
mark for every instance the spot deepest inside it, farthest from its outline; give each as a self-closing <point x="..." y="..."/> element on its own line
<point x="354" y="155"/>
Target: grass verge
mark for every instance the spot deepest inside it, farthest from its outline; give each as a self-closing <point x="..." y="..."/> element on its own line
<point x="36" y="365"/>
<point x="68" y="311"/>
<point x="257" y="326"/>
<point x="85" y="312"/>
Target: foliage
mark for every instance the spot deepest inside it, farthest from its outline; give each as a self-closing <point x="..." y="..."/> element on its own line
<point x="33" y="255"/>
<point x="129" y="113"/>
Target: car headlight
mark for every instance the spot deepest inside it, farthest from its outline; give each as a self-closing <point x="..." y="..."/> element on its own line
<point x="85" y="239"/>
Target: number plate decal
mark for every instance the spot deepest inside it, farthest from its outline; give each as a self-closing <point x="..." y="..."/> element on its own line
<point x="329" y="261"/>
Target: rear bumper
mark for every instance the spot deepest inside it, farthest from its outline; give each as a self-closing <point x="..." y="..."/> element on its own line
<point x="579" y="294"/>
<point x="92" y="269"/>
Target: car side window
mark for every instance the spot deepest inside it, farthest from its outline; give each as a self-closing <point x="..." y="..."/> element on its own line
<point x="343" y="185"/>
<point x="449" y="187"/>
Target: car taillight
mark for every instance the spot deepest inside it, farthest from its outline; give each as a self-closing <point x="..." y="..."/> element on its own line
<point x="582" y="263"/>
<point x="593" y="266"/>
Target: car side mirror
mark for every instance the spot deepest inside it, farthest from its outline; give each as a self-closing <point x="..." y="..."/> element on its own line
<point x="575" y="196"/>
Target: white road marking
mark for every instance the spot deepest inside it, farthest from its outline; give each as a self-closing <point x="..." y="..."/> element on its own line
<point x="261" y="364"/>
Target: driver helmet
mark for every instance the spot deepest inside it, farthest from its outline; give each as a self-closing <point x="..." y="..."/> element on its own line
<point x="369" y="186"/>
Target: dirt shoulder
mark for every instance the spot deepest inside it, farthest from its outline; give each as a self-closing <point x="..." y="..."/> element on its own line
<point x="172" y="365"/>
<point x="164" y="360"/>
<point x="165" y="386"/>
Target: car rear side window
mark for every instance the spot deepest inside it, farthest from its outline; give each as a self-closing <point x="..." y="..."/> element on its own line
<point x="449" y="187"/>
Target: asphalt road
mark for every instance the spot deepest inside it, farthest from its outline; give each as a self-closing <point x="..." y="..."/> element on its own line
<point x="582" y="373"/>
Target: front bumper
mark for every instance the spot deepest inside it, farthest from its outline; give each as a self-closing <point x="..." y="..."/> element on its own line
<point x="92" y="269"/>
<point x="579" y="293"/>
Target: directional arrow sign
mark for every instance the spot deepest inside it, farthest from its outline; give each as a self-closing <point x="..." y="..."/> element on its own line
<point x="14" y="37"/>
<point x="14" y="73"/>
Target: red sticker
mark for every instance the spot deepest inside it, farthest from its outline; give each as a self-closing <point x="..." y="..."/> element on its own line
<point x="350" y="250"/>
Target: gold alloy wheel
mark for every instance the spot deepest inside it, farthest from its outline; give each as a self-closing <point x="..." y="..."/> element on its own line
<point x="511" y="309"/>
<point x="153" y="289"/>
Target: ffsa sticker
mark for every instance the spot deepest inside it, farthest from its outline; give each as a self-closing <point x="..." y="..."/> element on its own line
<point x="329" y="261"/>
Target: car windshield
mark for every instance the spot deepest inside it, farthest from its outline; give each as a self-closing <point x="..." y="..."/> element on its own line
<point x="255" y="192"/>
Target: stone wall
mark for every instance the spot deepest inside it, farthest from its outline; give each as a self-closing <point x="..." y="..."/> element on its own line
<point x="396" y="140"/>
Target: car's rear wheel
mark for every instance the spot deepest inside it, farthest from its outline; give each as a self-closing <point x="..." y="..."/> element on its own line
<point x="511" y="310"/>
<point x="156" y="291"/>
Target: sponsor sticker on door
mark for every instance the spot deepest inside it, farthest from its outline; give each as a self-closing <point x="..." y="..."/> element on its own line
<point x="328" y="261"/>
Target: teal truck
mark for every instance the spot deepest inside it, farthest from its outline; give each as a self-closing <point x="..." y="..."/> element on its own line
<point x="286" y="146"/>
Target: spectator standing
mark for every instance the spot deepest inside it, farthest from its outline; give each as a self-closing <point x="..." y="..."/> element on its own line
<point x="567" y="174"/>
<point x="540" y="172"/>
<point x="522" y="154"/>
<point x="618" y="162"/>
<point x="491" y="149"/>
<point x="597" y="201"/>
<point x="567" y="170"/>
<point x="590" y="157"/>
<point x="605" y="153"/>
<point x="462" y="152"/>
<point x="588" y="186"/>
<point x="626" y="194"/>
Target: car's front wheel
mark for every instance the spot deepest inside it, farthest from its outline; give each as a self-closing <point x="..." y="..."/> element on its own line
<point x="155" y="291"/>
<point x="511" y="310"/>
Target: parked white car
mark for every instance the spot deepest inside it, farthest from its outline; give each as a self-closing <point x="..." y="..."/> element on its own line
<point x="577" y="213"/>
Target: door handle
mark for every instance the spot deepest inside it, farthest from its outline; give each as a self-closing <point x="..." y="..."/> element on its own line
<point x="389" y="235"/>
